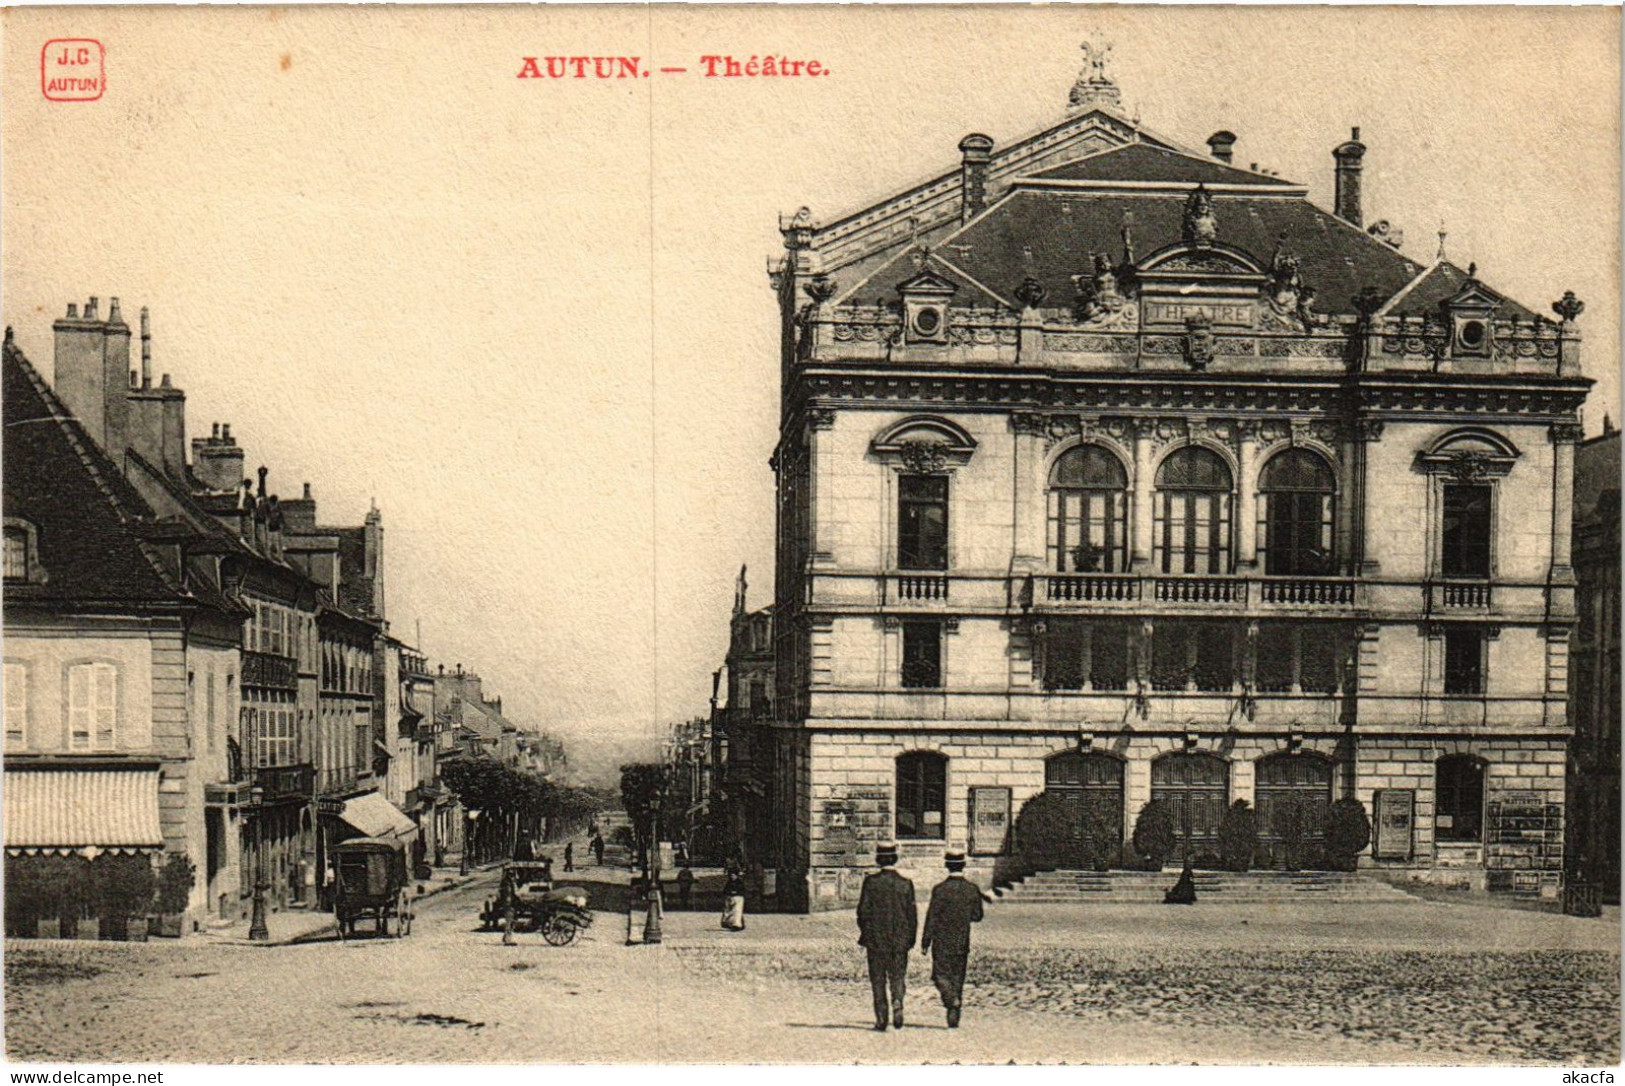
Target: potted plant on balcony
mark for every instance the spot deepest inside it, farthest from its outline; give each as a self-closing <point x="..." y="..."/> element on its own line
<point x="174" y="891"/>
<point x="1238" y="836"/>
<point x="1154" y="836"/>
<point x="1348" y="831"/>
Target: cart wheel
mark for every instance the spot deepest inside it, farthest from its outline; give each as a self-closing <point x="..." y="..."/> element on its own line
<point x="559" y="932"/>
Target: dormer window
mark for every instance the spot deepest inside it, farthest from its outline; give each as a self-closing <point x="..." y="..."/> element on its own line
<point x="1471" y="313"/>
<point x="22" y="552"/>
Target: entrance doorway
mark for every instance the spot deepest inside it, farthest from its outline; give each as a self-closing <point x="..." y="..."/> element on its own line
<point x="1091" y="787"/>
<point x="1285" y="781"/>
<point x="1196" y="787"/>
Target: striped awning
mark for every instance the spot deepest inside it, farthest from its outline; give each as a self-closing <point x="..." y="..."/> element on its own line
<point x="67" y="810"/>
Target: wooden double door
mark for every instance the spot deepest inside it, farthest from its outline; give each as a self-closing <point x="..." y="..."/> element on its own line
<point x="1196" y="787"/>
<point x="1091" y="786"/>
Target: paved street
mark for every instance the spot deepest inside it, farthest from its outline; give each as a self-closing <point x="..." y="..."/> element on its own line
<point x="1217" y="984"/>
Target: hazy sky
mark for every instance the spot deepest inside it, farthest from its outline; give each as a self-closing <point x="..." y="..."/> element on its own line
<point x="530" y="318"/>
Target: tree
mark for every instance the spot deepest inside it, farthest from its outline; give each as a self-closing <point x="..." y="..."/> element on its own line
<point x="643" y="793"/>
<point x="1046" y="834"/>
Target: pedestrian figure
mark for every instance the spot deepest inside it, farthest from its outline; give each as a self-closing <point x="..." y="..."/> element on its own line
<point x="733" y="899"/>
<point x="685" y="887"/>
<point x="956" y="904"/>
<point x="1184" y="891"/>
<point x="523" y="852"/>
<point x="888" y="920"/>
<point x="569" y="856"/>
<point x="598" y="849"/>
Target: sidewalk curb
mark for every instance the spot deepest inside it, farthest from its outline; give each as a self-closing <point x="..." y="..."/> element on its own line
<point x="455" y="882"/>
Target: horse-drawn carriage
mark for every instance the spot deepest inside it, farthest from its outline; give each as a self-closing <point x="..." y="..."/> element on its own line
<point x="528" y="900"/>
<point x="370" y="883"/>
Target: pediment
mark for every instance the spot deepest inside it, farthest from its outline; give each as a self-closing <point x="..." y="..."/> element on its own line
<point x="927" y="282"/>
<point x="1473" y="296"/>
<point x="1197" y="262"/>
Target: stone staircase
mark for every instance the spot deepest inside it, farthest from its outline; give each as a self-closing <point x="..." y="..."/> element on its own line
<point x="1218" y="887"/>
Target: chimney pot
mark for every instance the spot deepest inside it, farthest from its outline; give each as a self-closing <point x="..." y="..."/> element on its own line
<point x="165" y="382"/>
<point x="225" y="431"/>
<point x="1348" y="157"/>
<point x="113" y="316"/>
<point x="1223" y="145"/>
<point x="73" y="310"/>
<point x="216" y="434"/>
<point x="307" y="492"/>
<point x="90" y="309"/>
<point x="264" y="471"/>
<point x="146" y="350"/>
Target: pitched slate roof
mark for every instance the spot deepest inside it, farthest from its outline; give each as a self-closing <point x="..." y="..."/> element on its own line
<point x="1147" y="162"/>
<point x="86" y="516"/>
<point x="1445" y="280"/>
<point x="1062" y="227"/>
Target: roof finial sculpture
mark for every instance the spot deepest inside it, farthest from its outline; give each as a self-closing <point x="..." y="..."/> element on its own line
<point x="1200" y="224"/>
<point x="1094" y="88"/>
<point x="1442" y="235"/>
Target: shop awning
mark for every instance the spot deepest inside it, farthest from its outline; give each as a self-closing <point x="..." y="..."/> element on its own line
<point x="375" y="816"/>
<point x="66" y="810"/>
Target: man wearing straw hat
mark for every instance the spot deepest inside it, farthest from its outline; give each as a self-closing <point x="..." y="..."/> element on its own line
<point x="956" y="904"/>
<point x="888" y="921"/>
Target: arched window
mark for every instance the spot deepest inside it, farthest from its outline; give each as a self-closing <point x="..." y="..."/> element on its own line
<point x="1296" y="490"/>
<point x="1088" y="512"/>
<point x="922" y="790"/>
<point x="1193" y="513"/>
<point x="1458" y="799"/>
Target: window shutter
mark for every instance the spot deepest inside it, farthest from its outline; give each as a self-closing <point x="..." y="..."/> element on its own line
<point x="105" y="680"/>
<point x="16" y="706"/>
<point x="79" y="708"/>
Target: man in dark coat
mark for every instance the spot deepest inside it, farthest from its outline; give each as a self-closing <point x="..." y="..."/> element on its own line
<point x="888" y="920"/>
<point x="956" y="904"/>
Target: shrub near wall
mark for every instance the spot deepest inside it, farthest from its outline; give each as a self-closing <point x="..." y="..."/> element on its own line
<point x="1047" y="834"/>
<point x="1238" y="837"/>
<point x="1154" y="836"/>
<point x="1348" y="831"/>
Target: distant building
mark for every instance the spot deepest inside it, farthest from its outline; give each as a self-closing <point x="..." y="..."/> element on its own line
<point x="743" y="715"/>
<point x="1594" y="770"/>
<point x="1112" y="469"/>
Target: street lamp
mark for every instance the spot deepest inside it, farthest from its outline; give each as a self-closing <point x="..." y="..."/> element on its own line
<point x="257" y="931"/>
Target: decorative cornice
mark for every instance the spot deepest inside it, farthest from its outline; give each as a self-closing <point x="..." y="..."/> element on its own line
<point x="821" y="418"/>
<point x="1566" y="433"/>
<point x="1028" y="422"/>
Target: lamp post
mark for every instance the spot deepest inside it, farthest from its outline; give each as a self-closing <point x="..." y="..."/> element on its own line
<point x="257" y="931"/>
<point x="651" y="923"/>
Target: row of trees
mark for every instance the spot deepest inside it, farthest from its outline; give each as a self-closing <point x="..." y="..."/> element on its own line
<point x="1050" y="834"/>
<point x="513" y="804"/>
<point x="120" y="892"/>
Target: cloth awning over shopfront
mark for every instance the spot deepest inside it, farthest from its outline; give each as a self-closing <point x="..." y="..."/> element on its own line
<point x="73" y="810"/>
<point x="375" y="816"/>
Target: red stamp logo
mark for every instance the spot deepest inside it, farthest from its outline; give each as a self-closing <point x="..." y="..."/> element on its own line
<point x="73" y="69"/>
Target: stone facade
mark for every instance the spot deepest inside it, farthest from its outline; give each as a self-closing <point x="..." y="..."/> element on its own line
<point x="1187" y="538"/>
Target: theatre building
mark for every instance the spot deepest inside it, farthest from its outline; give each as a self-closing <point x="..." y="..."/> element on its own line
<point x="1110" y="468"/>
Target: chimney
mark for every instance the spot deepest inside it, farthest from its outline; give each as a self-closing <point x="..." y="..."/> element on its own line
<point x="157" y="416"/>
<point x="93" y="373"/>
<point x="372" y="536"/>
<point x="1223" y="145"/>
<point x="217" y="460"/>
<point x="975" y="150"/>
<point x="299" y="514"/>
<point x="1348" y="156"/>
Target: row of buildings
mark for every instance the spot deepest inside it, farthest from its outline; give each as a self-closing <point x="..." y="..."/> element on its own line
<point x="1113" y="469"/>
<point x="196" y="666"/>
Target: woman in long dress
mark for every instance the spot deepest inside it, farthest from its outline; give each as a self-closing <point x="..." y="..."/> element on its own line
<point x="733" y="900"/>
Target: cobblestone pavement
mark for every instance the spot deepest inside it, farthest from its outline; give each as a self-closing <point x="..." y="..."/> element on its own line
<point x="1230" y="984"/>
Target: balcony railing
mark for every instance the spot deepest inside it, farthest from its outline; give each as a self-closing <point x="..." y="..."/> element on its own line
<point x="286" y="781"/>
<point x="1459" y="594"/>
<point x="1092" y="587"/>
<point x="1307" y="591"/>
<point x="268" y="669"/>
<point x="1201" y="590"/>
<point x="922" y="586"/>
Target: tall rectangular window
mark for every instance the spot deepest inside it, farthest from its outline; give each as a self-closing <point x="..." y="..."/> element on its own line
<point x="922" y="522"/>
<point x="922" y="780"/>
<point x="1078" y="652"/>
<point x="1463" y="661"/>
<point x="16" y="554"/>
<point x="922" y="655"/>
<point x="1466" y="530"/>
<point x="16" y="706"/>
<point x="209" y="711"/>
<point x="92" y="706"/>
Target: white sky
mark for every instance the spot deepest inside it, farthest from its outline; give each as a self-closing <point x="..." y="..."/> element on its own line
<point x="531" y="318"/>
